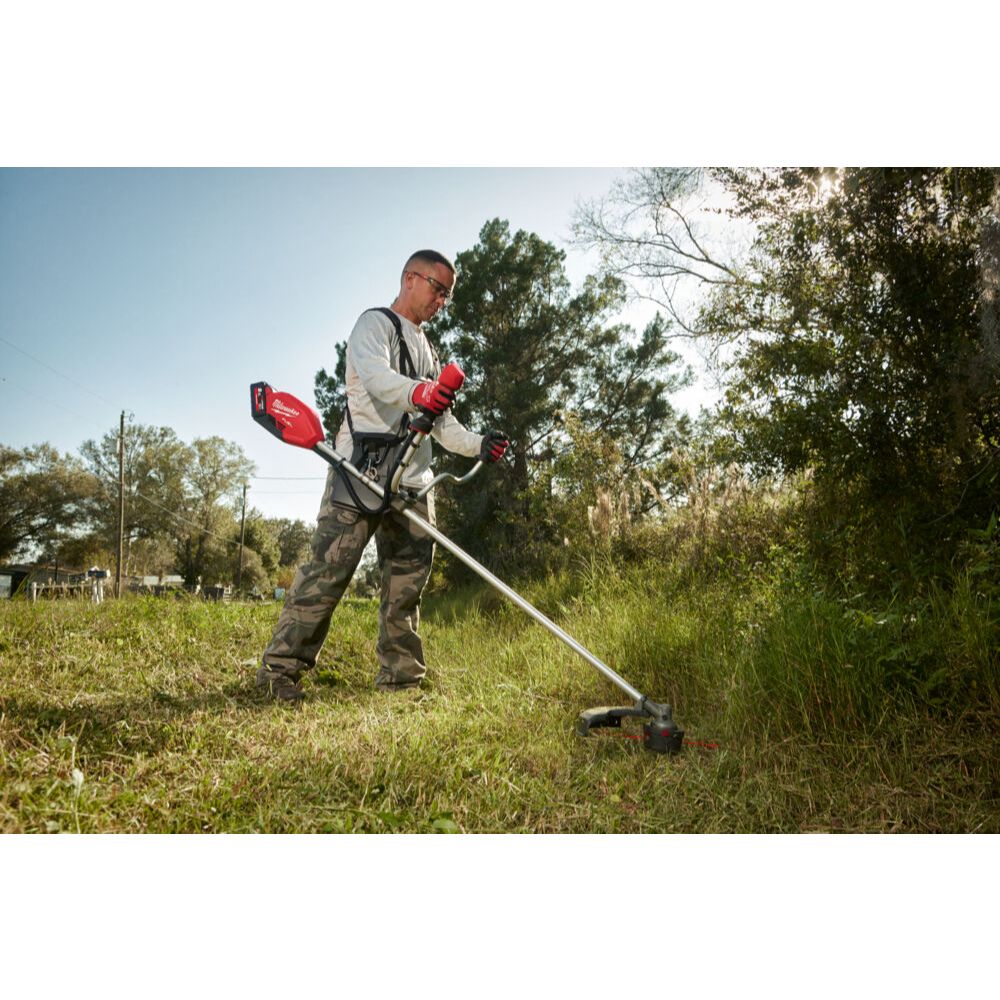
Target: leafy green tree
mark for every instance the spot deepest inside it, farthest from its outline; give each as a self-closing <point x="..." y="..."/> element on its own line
<point x="293" y="538"/>
<point x="858" y="330"/>
<point x="43" y="499"/>
<point x="84" y="551"/>
<point x="155" y="465"/>
<point x="625" y="394"/>
<point x="535" y="352"/>
<point x="255" y="573"/>
<point x="210" y="555"/>
<point x="155" y="556"/>
<point x="866" y="352"/>
<point x="331" y="393"/>
<point x="261" y="536"/>
<point x="213" y="482"/>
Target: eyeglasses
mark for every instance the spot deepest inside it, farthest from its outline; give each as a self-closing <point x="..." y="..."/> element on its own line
<point x="442" y="290"/>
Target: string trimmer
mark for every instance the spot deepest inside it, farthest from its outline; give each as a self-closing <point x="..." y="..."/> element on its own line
<point x="295" y="423"/>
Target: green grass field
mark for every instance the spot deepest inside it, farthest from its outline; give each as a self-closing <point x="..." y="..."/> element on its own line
<point x="141" y="716"/>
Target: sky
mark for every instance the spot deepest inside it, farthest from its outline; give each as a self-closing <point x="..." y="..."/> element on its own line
<point x="165" y="293"/>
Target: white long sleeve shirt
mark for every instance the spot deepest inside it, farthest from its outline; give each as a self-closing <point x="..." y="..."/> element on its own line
<point x="378" y="395"/>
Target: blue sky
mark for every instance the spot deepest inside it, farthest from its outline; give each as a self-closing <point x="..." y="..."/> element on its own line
<point x="167" y="292"/>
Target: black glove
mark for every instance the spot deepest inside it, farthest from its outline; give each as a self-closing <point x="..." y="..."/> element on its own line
<point x="495" y="443"/>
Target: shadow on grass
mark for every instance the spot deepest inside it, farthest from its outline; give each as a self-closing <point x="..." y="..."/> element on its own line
<point x="128" y="724"/>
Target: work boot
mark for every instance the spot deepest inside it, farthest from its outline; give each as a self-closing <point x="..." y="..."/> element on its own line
<point x="278" y="686"/>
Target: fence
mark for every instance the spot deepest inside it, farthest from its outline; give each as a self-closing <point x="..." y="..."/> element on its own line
<point x="97" y="590"/>
<point x="93" y="589"/>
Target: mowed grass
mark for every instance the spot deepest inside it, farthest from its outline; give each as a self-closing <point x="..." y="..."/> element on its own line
<point x="142" y="716"/>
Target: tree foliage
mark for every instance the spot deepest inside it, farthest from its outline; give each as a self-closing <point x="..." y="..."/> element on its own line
<point x="42" y="495"/>
<point x="182" y="509"/>
<point x="180" y="502"/>
<point x="293" y="538"/>
<point x="858" y="330"/>
<point x="154" y="466"/>
<point x="331" y="393"/>
<point x="214" y="482"/>
<point x="866" y="354"/>
<point x="536" y="351"/>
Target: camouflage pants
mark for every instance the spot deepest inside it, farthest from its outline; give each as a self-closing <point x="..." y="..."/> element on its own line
<point x="405" y="554"/>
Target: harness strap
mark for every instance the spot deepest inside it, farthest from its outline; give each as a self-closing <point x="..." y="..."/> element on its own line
<point x="406" y="367"/>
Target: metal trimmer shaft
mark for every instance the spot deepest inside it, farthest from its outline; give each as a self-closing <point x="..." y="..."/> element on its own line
<point x="335" y="458"/>
<point x="660" y="733"/>
<point x="295" y="423"/>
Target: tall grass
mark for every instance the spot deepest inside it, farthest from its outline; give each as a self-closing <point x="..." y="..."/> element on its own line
<point x="810" y="706"/>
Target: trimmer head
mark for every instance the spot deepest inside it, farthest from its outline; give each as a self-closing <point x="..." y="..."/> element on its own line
<point x="660" y="733"/>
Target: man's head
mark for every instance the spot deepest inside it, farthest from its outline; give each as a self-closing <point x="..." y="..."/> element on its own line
<point x="425" y="285"/>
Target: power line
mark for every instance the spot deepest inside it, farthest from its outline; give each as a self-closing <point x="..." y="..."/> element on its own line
<point x="314" y="478"/>
<point x="195" y="524"/>
<point x="56" y="371"/>
<point x="172" y="513"/>
<point x="91" y="420"/>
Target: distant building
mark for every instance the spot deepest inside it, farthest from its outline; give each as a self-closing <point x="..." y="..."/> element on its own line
<point x="16" y="576"/>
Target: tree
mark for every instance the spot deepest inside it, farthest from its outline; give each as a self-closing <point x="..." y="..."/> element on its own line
<point x="43" y="497"/>
<point x="216" y="474"/>
<point x="663" y="230"/>
<point x="293" y="538"/>
<point x="155" y="465"/>
<point x="860" y="328"/>
<point x="625" y="393"/>
<point x="535" y="351"/>
<point x="870" y="360"/>
<point x="331" y="393"/>
<point x="83" y="551"/>
<point x="261" y="537"/>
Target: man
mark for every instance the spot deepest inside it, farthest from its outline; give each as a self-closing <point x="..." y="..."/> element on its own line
<point x="392" y="374"/>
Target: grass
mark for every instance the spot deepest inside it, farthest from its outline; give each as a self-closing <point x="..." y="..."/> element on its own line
<point x="141" y="716"/>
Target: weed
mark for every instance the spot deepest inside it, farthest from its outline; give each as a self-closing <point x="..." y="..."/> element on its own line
<point x="830" y="712"/>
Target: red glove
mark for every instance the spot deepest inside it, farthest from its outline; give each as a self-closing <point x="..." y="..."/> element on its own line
<point x="494" y="444"/>
<point x="433" y="397"/>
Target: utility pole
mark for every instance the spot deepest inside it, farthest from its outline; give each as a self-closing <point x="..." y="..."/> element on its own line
<point x="243" y="524"/>
<point x="121" y="506"/>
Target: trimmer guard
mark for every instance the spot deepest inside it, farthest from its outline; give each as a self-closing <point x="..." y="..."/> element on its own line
<point x="660" y="733"/>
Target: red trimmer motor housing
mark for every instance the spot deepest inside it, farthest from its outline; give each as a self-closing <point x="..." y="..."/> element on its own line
<point x="285" y="416"/>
